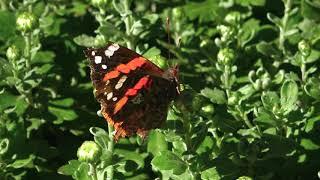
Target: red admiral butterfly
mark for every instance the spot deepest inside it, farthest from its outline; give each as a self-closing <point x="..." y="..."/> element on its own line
<point x="133" y="92"/>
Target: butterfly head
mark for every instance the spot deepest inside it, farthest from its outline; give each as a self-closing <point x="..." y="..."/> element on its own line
<point x="172" y="74"/>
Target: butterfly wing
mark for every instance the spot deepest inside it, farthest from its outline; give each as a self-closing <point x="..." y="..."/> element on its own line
<point x="132" y="91"/>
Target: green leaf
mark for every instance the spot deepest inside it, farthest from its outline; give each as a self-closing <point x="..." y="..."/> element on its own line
<point x="62" y="114"/>
<point x="43" y="57"/>
<point x="20" y="163"/>
<point x="267" y="49"/>
<point x="270" y="99"/>
<point x="100" y="137"/>
<point x="265" y="117"/>
<point x="311" y="123"/>
<point x="210" y="173"/>
<point x="167" y="160"/>
<point x="156" y="143"/>
<point x="310" y="10"/>
<point x="152" y="52"/>
<point x="44" y="69"/>
<point x="206" y="145"/>
<point x="309" y="144"/>
<point x="82" y="172"/>
<point x="289" y="96"/>
<point x="312" y="88"/>
<point x="205" y="11"/>
<point x="7" y="21"/>
<point x="85" y="40"/>
<point x="66" y="102"/>
<point x="215" y="95"/>
<point x="276" y="20"/>
<point x="7" y="100"/>
<point x="69" y="168"/>
<point x="136" y="157"/>
<point x="4" y="145"/>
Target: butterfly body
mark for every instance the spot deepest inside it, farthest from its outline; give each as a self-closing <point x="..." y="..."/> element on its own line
<point x="133" y="92"/>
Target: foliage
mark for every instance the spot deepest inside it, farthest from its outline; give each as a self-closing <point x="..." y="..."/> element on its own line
<point x="249" y="106"/>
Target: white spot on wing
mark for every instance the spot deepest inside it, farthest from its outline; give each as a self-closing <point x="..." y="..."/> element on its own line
<point x="109" y="95"/>
<point x="97" y="59"/>
<point x="123" y="78"/>
<point x="115" y="98"/>
<point x="104" y="66"/>
<point x="114" y="47"/>
<point x="93" y="53"/>
<point x="108" y="81"/>
<point x="108" y="53"/>
<point x="118" y="85"/>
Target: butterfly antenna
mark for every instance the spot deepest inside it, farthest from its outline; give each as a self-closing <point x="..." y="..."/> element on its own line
<point x="168" y="33"/>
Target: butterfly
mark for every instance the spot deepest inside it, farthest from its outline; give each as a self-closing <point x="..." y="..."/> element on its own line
<point x="133" y="92"/>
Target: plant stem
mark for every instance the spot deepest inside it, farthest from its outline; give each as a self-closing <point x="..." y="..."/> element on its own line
<point x="303" y="73"/>
<point x="303" y="70"/>
<point x="110" y="169"/>
<point x="287" y="8"/>
<point x="94" y="172"/>
<point x="27" y="39"/>
<point x="128" y="22"/>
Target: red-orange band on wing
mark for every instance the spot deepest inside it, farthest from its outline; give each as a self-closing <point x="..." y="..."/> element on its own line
<point x="120" y="104"/>
<point x="144" y="82"/>
<point x="125" y="68"/>
<point x="111" y="75"/>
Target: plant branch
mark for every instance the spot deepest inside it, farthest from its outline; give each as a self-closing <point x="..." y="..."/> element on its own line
<point x="110" y="170"/>
<point x="283" y="29"/>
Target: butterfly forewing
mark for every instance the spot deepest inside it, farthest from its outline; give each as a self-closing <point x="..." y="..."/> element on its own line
<point x="132" y="91"/>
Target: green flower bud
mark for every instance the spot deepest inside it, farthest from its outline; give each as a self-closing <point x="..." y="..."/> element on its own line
<point x="89" y="151"/>
<point x="233" y="18"/>
<point x="26" y="22"/>
<point x="304" y="48"/>
<point x="99" y="3"/>
<point x="226" y="56"/>
<point x="13" y="53"/>
<point x="244" y="178"/>
<point x="207" y="109"/>
<point x="227" y="32"/>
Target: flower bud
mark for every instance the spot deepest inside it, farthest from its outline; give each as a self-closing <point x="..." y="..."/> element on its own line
<point x="227" y="32"/>
<point x="13" y="53"/>
<point x="226" y="56"/>
<point x="26" y="22"/>
<point x="233" y="18"/>
<point x="99" y="3"/>
<point x="304" y="48"/>
<point x="89" y="151"/>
